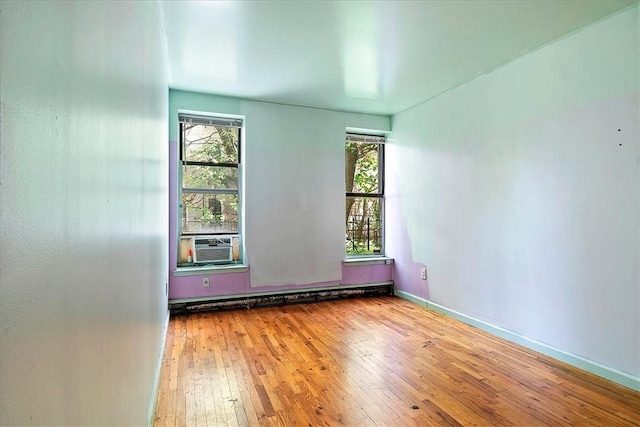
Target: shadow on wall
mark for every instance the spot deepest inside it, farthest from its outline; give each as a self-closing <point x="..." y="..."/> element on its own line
<point x="406" y="272"/>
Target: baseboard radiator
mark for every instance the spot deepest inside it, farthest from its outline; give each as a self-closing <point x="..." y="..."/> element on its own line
<point x="302" y="297"/>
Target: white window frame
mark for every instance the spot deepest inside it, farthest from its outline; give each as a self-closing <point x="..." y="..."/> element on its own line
<point x="355" y="137"/>
<point x="217" y="120"/>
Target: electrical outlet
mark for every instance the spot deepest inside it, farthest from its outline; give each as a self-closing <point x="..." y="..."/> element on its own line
<point x="423" y="273"/>
<point x="205" y="282"/>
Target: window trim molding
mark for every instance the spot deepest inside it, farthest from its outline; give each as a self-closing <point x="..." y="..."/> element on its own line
<point x="379" y="138"/>
<point x="360" y="260"/>
<point x="209" y="269"/>
<point x="212" y="119"/>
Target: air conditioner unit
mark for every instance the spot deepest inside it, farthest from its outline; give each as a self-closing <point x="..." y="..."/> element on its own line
<point x="209" y="249"/>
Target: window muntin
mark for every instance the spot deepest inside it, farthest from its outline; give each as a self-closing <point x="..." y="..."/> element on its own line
<point x="364" y="181"/>
<point x="209" y="178"/>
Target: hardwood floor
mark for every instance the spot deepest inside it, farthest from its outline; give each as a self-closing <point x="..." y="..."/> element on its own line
<point x="369" y="362"/>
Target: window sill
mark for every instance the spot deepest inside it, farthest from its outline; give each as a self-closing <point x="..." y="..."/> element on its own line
<point x="356" y="262"/>
<point x="209" y="269"/>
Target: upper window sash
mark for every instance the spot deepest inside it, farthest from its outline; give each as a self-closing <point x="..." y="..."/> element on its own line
<point x="219" y="159"/>
<point x="378" y="142"/>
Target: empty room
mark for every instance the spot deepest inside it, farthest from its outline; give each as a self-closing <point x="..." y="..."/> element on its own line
<point x="301" y="213"/>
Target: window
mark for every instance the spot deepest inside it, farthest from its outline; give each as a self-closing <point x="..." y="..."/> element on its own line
<point x="210" y="176"/>
<point x="364" y="177"/>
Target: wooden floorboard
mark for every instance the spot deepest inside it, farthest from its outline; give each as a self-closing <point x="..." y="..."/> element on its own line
<point x="369" y="362"/>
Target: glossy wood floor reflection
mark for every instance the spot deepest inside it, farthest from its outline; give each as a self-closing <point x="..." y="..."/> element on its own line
<point x="369" y="362"/>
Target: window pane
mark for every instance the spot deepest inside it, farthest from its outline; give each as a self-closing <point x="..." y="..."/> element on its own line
<point x="210" y="177"/>
<point x="362" y="173"/>
<point x="209" y="213"/>
<point x="212" y="144"/>
<point x="364" y="225"/>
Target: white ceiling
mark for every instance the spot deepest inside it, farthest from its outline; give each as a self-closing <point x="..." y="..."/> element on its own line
<point x="373" y="57"/>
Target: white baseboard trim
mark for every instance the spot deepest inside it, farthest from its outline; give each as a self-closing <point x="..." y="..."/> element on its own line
<point x="156" y="381"/>
<point x="580" y="362"/>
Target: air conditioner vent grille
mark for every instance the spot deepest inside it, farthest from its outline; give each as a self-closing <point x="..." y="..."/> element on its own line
<point x="212" y="249"/>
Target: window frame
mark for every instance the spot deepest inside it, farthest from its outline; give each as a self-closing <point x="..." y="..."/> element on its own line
<point x="380" y="140"/>
<point x="218" y="121"/>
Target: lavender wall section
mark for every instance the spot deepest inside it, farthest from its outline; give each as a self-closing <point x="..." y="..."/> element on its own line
<point x="520" y="192"/>
<point x="238" y="283"/>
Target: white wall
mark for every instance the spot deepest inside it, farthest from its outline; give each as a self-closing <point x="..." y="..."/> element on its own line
<point x="519" y="191"/>
<point x="83" y="211"/>
<point x="294" y="185"/>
